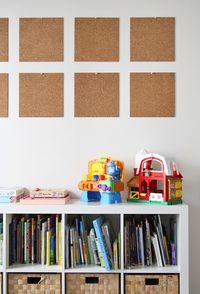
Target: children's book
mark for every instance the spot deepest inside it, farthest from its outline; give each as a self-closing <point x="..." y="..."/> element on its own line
<point x="42" y="193"/>
<point x="45" y="201"/>
<point x="154" y="240"/>
<point x="98" y="230"/>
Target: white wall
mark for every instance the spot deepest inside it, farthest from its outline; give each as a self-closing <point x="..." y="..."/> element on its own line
<point x="54" y="152"/>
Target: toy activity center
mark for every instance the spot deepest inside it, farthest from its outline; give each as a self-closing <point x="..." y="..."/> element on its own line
<point x="155" y="180"/>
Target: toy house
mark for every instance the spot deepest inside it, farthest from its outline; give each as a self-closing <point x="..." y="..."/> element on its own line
<point x="103" y="182"/>
<point x="155" y="180"/>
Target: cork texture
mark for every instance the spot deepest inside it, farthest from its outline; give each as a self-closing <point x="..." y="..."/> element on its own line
<point x="152" y="39"/>
<point x="152" y="95"/>
<point x="41" y="39"/>
<point x="96" y="39"/>
<point x="96" y="95"/>
<point x="41" y="95"/>
<point x="3" y="39"/>
<point x="3" y="95"/>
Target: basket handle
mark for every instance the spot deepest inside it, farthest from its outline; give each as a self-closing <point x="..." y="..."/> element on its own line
<point x="35" y="280"/>
<point x="91" y="280"/>
<point x="151" y="281"/>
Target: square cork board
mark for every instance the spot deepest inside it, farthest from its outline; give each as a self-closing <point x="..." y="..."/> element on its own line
<point x="152" y="39"/>
<point x="152" y="95"/>
<point x="3" y="95"/>
<point x="3" y="39"/>
<point x="96" y="39"/>
<point x="96" y="95"/>
<point x="41" y="39"/>
<point x="41" y="95"/>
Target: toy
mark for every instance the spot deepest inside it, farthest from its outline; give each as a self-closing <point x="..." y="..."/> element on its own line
<point x="155" y="180"/>
<point x="103" y="182"/>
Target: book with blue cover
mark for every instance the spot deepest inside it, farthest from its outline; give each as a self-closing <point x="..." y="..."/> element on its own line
<point x="97" y="223"/>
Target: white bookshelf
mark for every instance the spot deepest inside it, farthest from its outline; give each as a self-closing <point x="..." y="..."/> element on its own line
<point x="76" y="207"/>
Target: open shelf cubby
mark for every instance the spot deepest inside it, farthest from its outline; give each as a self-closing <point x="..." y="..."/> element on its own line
<point x="116" y="215"/>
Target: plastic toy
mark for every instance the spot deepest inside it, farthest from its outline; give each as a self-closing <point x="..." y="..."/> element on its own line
<point x="103" y="182"/>
<point x="156" y="180"/>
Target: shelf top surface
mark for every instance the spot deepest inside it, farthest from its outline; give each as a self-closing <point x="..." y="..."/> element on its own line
<point x="76" y="206"/>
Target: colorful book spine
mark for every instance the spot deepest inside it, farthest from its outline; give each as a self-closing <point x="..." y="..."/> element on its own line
<point x="97" y="223"/>
<point x="99" y="253"/>
<point x="67" y="265"/>
<point x="71" y="247"/>
<point x="90" y="250"/>
<point x="52" y="249"/>
<point x="60" y="242"/>
<point x="115" y="254"/>
<point x="94" y="247"/>
<point x="85" y="254"/>
<point x="48" y="248"/>
<point x="57" y="240"/>
<point x="85" y="240"/>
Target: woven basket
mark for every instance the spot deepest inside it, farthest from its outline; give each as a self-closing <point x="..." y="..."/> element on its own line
<point x="151" y="284"/>
<point x="92" y="283"/>
<point x="1" y="283"/>
<point x="34" y="283"/>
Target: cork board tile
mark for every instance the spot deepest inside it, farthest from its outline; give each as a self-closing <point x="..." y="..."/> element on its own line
<point x="152" y="95"/>
<point x="96" y="95"/>
<point x="3" y="39"/>
<point x="96" y="39"/>
<point x="41" y="39"/>
<point x="41" y="95"/>
<point x="3" y="95"/>
<point x="152" y="39"/>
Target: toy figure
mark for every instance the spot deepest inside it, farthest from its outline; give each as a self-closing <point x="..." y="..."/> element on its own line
<point x="103" y="182"/>
<point x="155" y="180"/>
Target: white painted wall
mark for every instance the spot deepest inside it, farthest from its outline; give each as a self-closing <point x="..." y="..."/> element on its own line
<point x="54" y="152"/>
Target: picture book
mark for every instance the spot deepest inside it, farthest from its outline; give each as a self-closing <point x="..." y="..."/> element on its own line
<point x="54" y="193"/>
<point x="44" y="201"/>
<point x="98" y="230"/>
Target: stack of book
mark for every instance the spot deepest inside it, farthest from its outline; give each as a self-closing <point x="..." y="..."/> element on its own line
<point x="1" y="242"/>
<point x="46" y="196"/>
<point x="35" y="239"/>
<point x="11" y="194"/>
<point x="96" y="246"/>
<point x="147" y="243"/>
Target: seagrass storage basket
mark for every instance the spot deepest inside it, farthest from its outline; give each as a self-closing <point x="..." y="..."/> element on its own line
<point x="1" y="283"/>
<point x="92" y="284"/>
<point x="34" y="283"/>
<point x="151" y="284"/>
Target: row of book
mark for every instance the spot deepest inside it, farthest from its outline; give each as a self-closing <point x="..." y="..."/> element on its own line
<point x="1" y="242"/>
<point x="147" y="242"/>
<point x="95" y="244"/>
<point x="35" y="239"/>
<point x="37" y="196"/>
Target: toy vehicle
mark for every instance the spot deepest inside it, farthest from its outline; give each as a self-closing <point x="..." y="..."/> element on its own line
<point x="103" y="182"/>
<point x="155" y="180"/>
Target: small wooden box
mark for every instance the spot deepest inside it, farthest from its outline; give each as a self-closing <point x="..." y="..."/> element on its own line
<point x="151" y="284"/>
<point x="34" y="283"/>
<point x="92" y="283"/>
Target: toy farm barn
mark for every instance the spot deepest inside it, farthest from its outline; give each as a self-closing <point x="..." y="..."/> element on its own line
<point x="103" y="182"/>
<point x="155" y="180"/>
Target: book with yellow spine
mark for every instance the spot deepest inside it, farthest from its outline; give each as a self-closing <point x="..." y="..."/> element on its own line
<point x="48" y="248"/>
